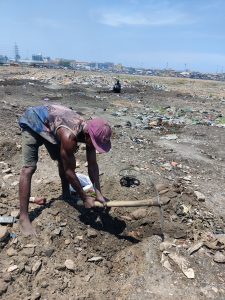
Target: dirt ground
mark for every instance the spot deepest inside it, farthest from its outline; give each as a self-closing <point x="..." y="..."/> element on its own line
<point x="170" y="134"/>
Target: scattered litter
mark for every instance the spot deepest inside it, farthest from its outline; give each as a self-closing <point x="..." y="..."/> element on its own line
<point x="169" y="137"/>
<point x="85" y="183"/>
<point x="129" y="181"/>
<point x="219" y="257"/>
<point x="7" y="220"/>
<point x="199" y="196"/>
<point x="195" y="247"/>
<point x="95" y="259"/>
<point x="183" y="264"/>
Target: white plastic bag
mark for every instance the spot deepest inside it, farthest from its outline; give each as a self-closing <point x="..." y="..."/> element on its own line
<point x="84" y="181"/>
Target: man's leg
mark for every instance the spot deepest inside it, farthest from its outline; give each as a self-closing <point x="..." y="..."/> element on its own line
<point x="24" y="196"/>
<point x="54" y="152"/>
<point x="30" y="146"/>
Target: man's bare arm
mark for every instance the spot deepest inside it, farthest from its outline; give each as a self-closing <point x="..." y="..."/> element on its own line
<point x="93" y="171"/>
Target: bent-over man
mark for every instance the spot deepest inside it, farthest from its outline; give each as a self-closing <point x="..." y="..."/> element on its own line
<point x="60" y="129"/>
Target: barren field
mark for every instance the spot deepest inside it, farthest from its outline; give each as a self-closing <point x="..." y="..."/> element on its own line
<point x="170" y="134"/>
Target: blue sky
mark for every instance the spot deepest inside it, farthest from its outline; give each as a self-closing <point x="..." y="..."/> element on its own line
<point x="140" y="33"/>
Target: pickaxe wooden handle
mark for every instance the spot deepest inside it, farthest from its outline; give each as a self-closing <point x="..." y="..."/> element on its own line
<point x="136" y="203"/>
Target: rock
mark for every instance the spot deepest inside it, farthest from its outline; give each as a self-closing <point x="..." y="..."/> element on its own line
<point x="30" y="246"/>
<point x="139" y="213"/>
<point x="219" y="257"/>
<point x="7" y="277"/>
<point x="35" y="296"/>
<point x="15" y="213"/>
<point x="7" y="171"/>
<point x="6" y="177"/>
<point x="3" y="287"/>
<point x="91" y="233"/>
<point x="12" y="268"/>
<point x="36" y="267"/>
<point x="11" y="252"/>
<point x="161" y="187"/>
<point x="48" y="252"/>
<point x="162" y="192"/>
<point x="70" y="265"/>
<point x="44" y="284"/>
<point x="56" y="232"/>
<point x="3" y="233"/>
<point x="28" y="252"/>
<point x="187" y="178"/>
<point x="95" y="258"/>
<point x="166" y="245"/>
<point x="28" y="269"/>
<point x="169" y="137"/>
<point x="67" y="242"/>
<point x="21" y="267"/>
<point x="199" y="196"/>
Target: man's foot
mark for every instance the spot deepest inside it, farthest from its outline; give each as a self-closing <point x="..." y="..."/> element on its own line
<point x="39" y="201"/>
<point x="26" y="227"/>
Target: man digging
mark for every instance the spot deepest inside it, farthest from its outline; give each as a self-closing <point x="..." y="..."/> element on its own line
<point x="60" y="129"/>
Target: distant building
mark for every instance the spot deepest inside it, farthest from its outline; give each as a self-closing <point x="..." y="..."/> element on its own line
<point x="37" y="58"/>
<point x="3" y="59"/>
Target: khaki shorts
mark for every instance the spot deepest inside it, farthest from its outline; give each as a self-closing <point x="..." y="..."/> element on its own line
<point x="31" y="141"/>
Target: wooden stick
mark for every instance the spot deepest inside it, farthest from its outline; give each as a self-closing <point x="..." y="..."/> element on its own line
<point x="116" y="203"/>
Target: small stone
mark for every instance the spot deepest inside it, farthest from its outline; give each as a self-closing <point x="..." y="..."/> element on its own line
<point x="28" y="269"/>
<point x="63" y="224"/>
<point x="6" y="177"/>
<point x="95" y="258"/>
<point x="3" y="287"/>
<point x="21" y="267"/>
<point x="187" y="178"/>
<point x="35" y="296"/>
<point x="139" y="213"/>
<point x="7" y="277"/>
<point x="36" y="267"/>
<point x="219" y="257"/>
<point x="57" y="231"/>
<point x="91" y="233"/>
<point x="44" y="284"/>
<point x="11" y="252"/>
<point x="3" y="233"/>
<point x="48" y="252"/>
<point x="12" y="268"/>
<point x="70" y="265"/>
<point x="162" y="192"/>
<point x="67" y="242"/>
<point x="15" y="213"/>
<point x="30" y="246"/>
<point x="28" y="252"/>
<point x="7" y="171"/>
<point x="199" y="196"/>
<point x="161" y="186"/>
<point x="54" y="212"/>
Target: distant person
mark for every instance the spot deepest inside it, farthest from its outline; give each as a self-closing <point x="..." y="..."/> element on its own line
<point x="117" y="87"/>
<point x="60" y="129"/>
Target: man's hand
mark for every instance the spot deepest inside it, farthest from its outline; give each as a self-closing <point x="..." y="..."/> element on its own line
<point x="101" y="198"/>
<point x="89" y="202"/>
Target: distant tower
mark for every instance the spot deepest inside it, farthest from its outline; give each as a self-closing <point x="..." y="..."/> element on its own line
<point x="17" y="56"/>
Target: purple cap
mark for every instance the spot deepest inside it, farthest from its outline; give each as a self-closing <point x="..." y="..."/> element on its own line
<point x="100" y="133"/>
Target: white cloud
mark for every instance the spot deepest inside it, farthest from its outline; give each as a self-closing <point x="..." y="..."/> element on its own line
<point x="154" y="14"/>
